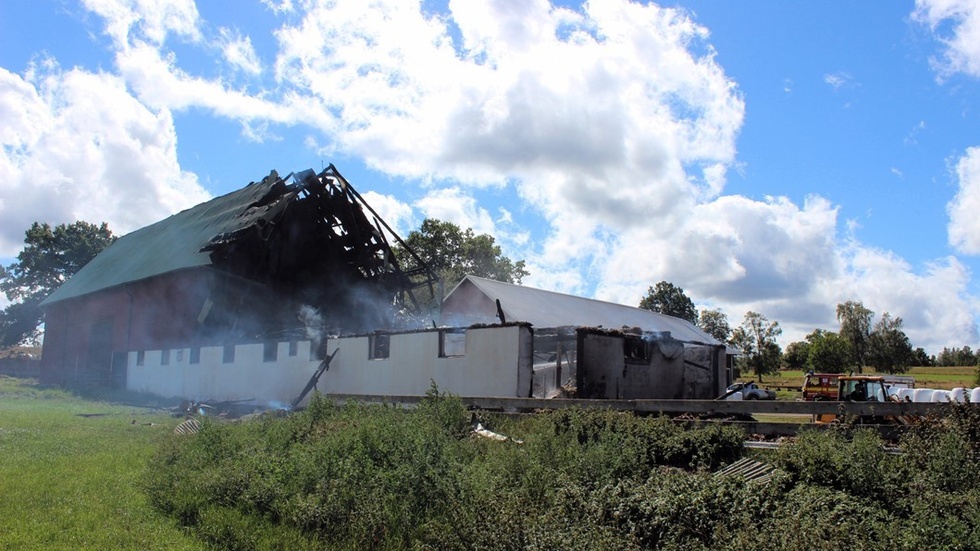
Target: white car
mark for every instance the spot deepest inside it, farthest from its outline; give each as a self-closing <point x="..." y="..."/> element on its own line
<point x="750" y="391"/>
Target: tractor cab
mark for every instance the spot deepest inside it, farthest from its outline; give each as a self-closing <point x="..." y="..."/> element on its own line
<point x="856" y="388"/>
<point x="861" y="388"/>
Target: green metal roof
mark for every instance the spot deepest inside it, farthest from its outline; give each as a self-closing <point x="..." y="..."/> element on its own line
<point x="169" y="245"/>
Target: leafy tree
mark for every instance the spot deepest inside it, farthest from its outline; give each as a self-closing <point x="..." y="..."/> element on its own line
<point x="828" y="352"/>
<point x="954" y="357"/>
<point x="756" y="337"/>
<point x="667" y="298"/>
<point x="715" y="323"/>
<point x="920" y="358"/>
<point x="50" y="256"/>
<point x="855" y="327"/>
<point x="796" y="354"/>
<point x="889" y="349"/>
<point x="453" y="253"/>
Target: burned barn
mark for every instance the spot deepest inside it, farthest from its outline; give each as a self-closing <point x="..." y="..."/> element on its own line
<point x="272" y="261"/>
<point x="254" y="295"/>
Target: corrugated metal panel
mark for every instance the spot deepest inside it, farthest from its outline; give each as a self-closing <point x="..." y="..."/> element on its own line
<point x="750" y="470"/>
<point x="169" y="245"/>
<point x="543" y="308"/>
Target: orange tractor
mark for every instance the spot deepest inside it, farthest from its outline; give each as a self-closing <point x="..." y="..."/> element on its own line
<point x="864" y="388"/>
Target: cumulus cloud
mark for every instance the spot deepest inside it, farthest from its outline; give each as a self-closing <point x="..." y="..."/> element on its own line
<point x="964" y="224"/>
<point x="238" y="51"/>
<point x="456" y="206"/>
<point x="956" y="24"/>
<point x="78" y="146"/>
<point x="154" y="20"/>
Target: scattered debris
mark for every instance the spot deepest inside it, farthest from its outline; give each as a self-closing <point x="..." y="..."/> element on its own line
<point x="750" y="470"/>
<point x="190" y="426"/>
<point x="324" y="366"/>
<point x="480" y="430"/>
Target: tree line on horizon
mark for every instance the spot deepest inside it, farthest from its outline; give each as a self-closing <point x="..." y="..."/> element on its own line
<point x="861" y="341"/>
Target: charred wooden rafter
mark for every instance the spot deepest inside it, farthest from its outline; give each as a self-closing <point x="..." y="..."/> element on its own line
<point x="312" y="237"/>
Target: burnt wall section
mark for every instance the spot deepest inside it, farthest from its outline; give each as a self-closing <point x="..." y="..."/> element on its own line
<point x="647" y="365"/>
<point x="312" y="240"/>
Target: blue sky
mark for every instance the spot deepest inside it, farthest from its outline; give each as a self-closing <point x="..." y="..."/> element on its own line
<point x="780" y="157"/>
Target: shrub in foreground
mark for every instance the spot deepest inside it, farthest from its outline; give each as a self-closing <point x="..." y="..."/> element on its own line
<point x="375" y="477"/>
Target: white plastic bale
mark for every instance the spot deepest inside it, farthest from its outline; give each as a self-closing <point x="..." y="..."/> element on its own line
<point x="940" y="396"/>
<point x="975" y="395"/>
<point x="958" y="394"/>
<point x="905" y="394"/>
<point x="922" y="395"/>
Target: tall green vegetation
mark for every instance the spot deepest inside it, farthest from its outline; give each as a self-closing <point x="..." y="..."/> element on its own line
<point x="827" y="352"/>
<point x="50" y="256"/>
<point x="373" y="477"/>
<point x="756" y="338"/>
<point x="715" y="323"/>
<point x="855" y="327"/>
<point x="452" y="252"/>
<point x="359" y="477"/>
<point x="667" y="298"/>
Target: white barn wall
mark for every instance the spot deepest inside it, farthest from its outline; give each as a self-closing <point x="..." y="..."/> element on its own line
<point x="496" y="363"/>
<point x="247" y="378"/>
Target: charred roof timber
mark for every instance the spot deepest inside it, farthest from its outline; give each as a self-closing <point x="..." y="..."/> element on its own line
<point x="310" y="238"/>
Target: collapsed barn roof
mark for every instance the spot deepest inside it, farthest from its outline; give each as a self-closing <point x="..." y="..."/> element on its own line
<point x="475" y="300"/>
<point x="297" y="235"/>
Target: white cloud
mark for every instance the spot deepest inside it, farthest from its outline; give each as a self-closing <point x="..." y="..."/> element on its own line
<point x="839" y="80"/>
<point x="152" y="19"/>
<point x="77" y="146"/>
<point x="956" y="24"/>
<point x="283" y="6"/>
<point x="396" y="214"/>
<point x="964" y="222"/>
<point x="238" y="51"/>
<point x="456" y="206"/>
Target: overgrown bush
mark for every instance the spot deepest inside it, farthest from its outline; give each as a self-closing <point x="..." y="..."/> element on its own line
<point x="380" y="477"/>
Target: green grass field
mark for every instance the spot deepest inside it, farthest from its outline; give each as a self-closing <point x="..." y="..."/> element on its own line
<point x="70" y="472"/>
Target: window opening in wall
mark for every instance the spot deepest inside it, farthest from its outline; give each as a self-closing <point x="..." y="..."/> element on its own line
<point x="228" y="356"/>
<point x="195" y="355"/>
<point x="270" y="351"/>
<point x="293" y="348"/>
<point x="165" y="356"/>
<point x="452" y="343"/>
<point x="380" y="346"/>
<point x="636" y="350"/>
<point x="141" y="357"/>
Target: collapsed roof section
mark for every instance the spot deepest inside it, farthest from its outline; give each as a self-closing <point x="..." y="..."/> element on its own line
<point x="306" y="239"/>
<point x="309" y="237"/>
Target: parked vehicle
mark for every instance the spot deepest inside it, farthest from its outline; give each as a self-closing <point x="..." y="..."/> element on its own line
<point x="820" y="386"/>
<point x="823" y="386"/>
<point x="865" y="388"/>
<point x="749" y="391"/>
